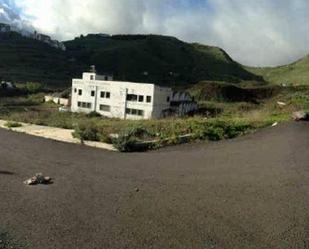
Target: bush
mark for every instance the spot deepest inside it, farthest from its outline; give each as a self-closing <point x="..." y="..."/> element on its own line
<point x="86" y="132"/>
<point x="11" y="124"/>
<point x="235" y="130"/>
<point x="93" y="115"/>
<point x="33" y="87"/>
<point x="214" y="133"/>
<point x="125" y="143"/>
<point x="130" y="140"/>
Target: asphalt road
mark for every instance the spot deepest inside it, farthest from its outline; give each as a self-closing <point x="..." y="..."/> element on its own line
<point x="250" y="192"/>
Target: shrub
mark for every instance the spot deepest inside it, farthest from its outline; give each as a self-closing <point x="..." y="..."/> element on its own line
<point x="33" y="87"/>
<point x="93" y="115"/>
<point x="234" y="130"/>
<point x="86" y="132"/>
<point x="139" y="132"/>
<point x="125" y="143"/>
<point x="105" y="138"/>
<point x="130" y="140"/>
<point x="214" y="133"/>
<point x="11" y="124"/>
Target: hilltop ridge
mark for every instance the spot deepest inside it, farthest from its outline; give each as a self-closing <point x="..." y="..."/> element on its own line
<point x="7" y="28"/>
<point x="142" y="58"/>
<point x="157" y="58"/>
<point x="296" y="73"/>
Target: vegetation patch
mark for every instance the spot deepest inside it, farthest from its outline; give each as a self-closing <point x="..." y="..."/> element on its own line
<point x="221" y="120"/>
<point x="227" y="92"/>
<point x="294" y="74"/>
<point x="12" y="124"/>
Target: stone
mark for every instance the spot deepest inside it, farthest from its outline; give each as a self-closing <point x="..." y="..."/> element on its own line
<point x="30" y="181"/>
<point x="280" y="103"/>
<point x="274" y="124"/>
<point x="47" y="179"/>
<point x="301" y="116"/>
<point x="39" y="178"/>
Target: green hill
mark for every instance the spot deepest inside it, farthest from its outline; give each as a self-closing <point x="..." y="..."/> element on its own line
<point x="153" y="58"/>
<point x="141" y="58"/>
<point x="23" y="59"/>
<point x="296" y="73"/>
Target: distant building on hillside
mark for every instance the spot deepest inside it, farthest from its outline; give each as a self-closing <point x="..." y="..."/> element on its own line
<point x="47" y="39"/>
<point x="127" y="100"/>
<point x="5" y="28"/>
<point x="42" y="37"/>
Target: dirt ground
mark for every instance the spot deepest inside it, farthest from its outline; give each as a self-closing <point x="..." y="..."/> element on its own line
<point x="250" y="192"/>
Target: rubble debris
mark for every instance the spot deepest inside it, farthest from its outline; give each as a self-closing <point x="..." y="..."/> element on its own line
<point x="39" y="178"/>
<point x="274" y="124"/>
<point x="301" y="116"/>
<point x="281" y="103"/>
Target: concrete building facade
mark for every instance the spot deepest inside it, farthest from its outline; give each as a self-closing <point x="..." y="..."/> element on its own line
<point x="118" y="99"/>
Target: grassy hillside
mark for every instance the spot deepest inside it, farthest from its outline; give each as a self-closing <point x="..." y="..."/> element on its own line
<point x="296" y="73"/>
<point x="226" y="92"/>
<point x="23" y="59"/>
<point x="141" y="58"/>
<point x="166" y="60"/>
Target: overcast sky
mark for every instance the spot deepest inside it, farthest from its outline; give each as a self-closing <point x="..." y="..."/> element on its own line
<point x="253" y="32"/>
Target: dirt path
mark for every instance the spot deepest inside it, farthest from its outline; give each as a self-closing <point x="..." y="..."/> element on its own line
<point x="58" y="134"/>
<point x="251" y="192"/>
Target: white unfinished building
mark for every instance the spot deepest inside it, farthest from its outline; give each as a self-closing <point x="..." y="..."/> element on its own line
<point x="126" y="100"/>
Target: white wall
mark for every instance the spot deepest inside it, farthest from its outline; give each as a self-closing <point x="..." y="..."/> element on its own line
<point x="117" y="101"/>
<point x="94" y="76"/>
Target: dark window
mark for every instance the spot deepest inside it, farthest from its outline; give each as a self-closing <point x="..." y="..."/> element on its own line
<point x="141" y="98"/>
<point x="91" y="77"/>
<point x="75" y="90"/>
<point x="168" y="99"/>
<point x="84" y="105"/>
<point x="80" y="92"/>
<point x="106" y="95"/>
<point x="148" y="99"/>
<point x="134" y="112"/>
<point x="92" y="93"/>
<point x="105" y="108"/>
<point x="106" y="78"/>
<point x="132" y="97"/>
<point x="140" y="112"/>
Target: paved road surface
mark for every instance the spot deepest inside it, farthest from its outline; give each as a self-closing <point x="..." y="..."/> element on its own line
<point x="251" y="192"/>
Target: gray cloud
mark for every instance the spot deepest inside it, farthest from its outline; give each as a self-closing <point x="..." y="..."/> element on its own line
<point x="253" y="32"/>
<point x="9" y="15"/>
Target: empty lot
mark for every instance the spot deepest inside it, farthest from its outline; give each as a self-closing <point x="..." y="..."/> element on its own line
<point x="250" y="192"/>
